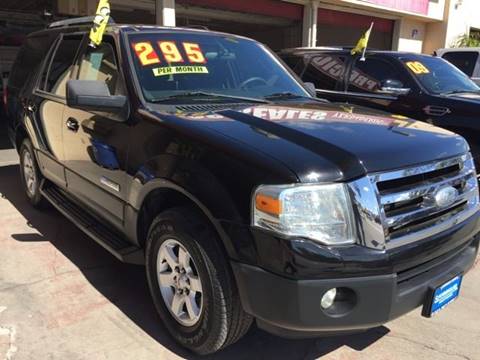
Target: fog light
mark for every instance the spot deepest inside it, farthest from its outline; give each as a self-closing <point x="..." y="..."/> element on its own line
<point x="328" y="298"/>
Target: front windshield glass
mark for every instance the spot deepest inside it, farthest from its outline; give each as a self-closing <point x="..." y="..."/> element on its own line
<point x="176" y="63"/>
<point x="439" y="76"/>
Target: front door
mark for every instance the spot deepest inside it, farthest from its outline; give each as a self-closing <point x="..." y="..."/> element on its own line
<point x="368" y="80"/>
<point x="95" y="144"/>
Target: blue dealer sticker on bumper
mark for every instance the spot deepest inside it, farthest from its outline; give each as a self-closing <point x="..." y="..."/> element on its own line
<point x="445" y="294"/>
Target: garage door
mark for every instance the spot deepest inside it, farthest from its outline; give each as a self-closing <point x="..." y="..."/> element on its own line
<point x="338" y="28"/>
<point x="275" y="23"/>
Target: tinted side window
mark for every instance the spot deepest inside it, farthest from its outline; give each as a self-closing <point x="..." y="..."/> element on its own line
<point x="295" y="63"/>
<point x="464" y="60"/>
<point x="19" y="73"/>
<point x="325" y="71"/>
<point x="61" y="66"/>
<point x="367" y="76"/>
<point x="28" y="60"/>
<point x="99" y="64"/>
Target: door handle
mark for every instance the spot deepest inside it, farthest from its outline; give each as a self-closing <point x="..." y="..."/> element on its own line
<point x="72" y="124"/>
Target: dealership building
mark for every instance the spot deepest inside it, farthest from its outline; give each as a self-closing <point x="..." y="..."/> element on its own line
<point x="407" y="25"/>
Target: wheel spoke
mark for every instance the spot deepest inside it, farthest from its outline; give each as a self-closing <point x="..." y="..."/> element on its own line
<point x="192" y="307"/>
<point x="166" y="279"/>
<point x="195" y="284"/>
<point x="183" y="258"/>
<point x="170" y="257"/>
<point x="177" y="304"/>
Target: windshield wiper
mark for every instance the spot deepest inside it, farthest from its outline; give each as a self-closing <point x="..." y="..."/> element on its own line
<point x="204" y="94"/>
<point x="291" y="96"/>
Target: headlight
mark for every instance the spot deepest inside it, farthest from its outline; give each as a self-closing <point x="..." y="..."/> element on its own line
<point x="318" y="212"/>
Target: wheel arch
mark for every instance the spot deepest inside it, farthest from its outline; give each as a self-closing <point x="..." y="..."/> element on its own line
<point x="161" y="195"/>
<point x="20" y="135"/>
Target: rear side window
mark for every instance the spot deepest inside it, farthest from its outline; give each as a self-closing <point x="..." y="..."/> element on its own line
<point x="100" y="64"/>
<point x="57" y="73"/>
<point x="19" y="73"/>
<point x="325" y="71"/>
<point x="28" y="61"/>
<point x="369" y="75"/>
<point x="464" y="60"/>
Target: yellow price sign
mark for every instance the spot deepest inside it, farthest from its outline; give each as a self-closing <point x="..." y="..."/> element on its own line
<point x="417" y="67"/>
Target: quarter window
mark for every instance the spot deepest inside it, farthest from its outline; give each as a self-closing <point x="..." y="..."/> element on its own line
<point x="58" y="72"/>
<point x="369" y="75"/>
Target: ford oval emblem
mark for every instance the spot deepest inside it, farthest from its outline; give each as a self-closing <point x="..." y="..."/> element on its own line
<point x="446" y="196"/>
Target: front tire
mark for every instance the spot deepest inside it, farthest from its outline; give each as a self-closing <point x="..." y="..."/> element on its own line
<point x="30" y="174"/>
<point x="191" y="283"/>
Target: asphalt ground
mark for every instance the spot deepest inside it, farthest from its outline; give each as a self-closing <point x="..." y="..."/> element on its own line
<point x="63" y="297"/>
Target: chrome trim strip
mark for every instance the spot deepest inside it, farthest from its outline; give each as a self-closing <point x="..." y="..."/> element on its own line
<point x="416" y="170"/>
<point x="433" y="230"/>
<point x="369" y="214"/>
<point x="423" y="190"/>
<point x="110" y="184"/>
<point x="417" y="214"/>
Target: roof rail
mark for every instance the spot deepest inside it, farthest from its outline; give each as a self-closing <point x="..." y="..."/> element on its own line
<point x="86" y="20"/>
<point x="193" y="26"/>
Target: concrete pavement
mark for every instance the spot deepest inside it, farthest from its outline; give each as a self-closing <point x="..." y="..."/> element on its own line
<point x="63" y="297"/>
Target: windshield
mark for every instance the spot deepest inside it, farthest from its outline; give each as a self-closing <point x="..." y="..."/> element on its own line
<point x="439" y="76"/>
<point x="173" y="64"/>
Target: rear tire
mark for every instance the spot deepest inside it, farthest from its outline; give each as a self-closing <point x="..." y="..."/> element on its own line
<point x="30" y="174"/>
<point x="221" y="320"/>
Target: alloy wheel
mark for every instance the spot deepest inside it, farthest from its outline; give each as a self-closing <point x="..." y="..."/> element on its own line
<point x="179" y="282"/>
<point x="29" y="173"/>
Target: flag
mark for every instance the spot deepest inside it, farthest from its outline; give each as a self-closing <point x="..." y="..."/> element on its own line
<point x="362" y="43"/>
<point x="100" y="22"/>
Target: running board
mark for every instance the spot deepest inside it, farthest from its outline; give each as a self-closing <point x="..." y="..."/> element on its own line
<point x="105" y="236"/>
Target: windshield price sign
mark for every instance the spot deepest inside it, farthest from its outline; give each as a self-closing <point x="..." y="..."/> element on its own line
<point x="417" y="67"/>
<point x="170" y="52"/>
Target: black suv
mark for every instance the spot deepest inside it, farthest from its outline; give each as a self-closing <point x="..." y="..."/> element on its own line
<point x="418" y="86"/>
<point x="201" y="156"/>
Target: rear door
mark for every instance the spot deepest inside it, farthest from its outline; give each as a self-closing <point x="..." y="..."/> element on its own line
<point x="45" y="107"/>
<point x="95" y="144"/>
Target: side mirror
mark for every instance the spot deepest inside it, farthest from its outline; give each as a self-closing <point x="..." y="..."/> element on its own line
<point x="393" y="87"/>
<point x="311" y="88"/>
<point x="93" y="95"/>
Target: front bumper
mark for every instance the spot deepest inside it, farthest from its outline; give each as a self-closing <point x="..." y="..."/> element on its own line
<point x="291" y="308"/>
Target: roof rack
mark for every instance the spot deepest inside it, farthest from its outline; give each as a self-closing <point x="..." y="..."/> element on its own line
<point x="86" y="20"/>
<point x="198" y="27"/>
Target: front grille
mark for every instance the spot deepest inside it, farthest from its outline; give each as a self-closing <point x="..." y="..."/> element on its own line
<point x="409" y="208"/>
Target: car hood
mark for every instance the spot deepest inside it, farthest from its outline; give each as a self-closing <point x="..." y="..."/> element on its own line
<point x="330" y="142"/>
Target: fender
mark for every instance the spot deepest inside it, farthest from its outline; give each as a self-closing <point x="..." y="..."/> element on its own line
<point x="195" y="182"/>
<point x="215" y="172"/>
<point x="132" y="212"/>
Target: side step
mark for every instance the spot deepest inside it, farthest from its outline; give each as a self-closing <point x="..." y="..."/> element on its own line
<point x="105" y="236"/>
